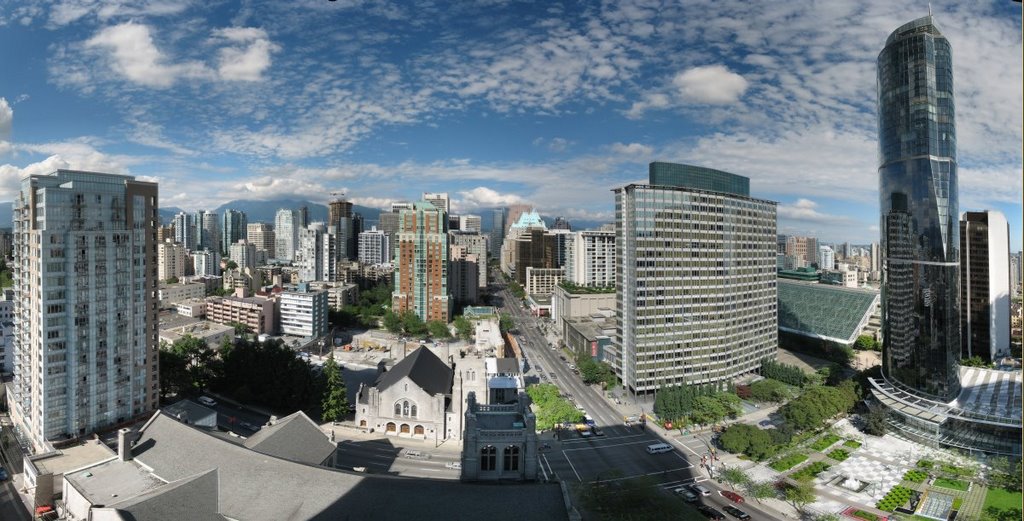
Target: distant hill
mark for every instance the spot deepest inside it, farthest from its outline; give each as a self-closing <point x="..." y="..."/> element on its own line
<point x="264" y="211"/>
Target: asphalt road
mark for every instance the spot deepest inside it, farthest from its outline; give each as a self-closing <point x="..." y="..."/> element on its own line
<point x="381" y="457"/>
<point x="11" y="507"/>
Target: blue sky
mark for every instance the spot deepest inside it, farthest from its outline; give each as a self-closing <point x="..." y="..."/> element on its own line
<point x="496" y="102"/>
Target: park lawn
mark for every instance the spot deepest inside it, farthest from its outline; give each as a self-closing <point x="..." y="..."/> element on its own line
<point x="954" y="484"/>
<point x="788" y="462"/>
<point x="863" y="514"/>
<point x="1002" y="499"/>
<point x="825" y="442"/>
<point x="853" y="444"/>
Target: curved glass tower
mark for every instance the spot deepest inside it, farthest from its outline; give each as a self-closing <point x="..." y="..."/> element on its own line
<point x="919" y="212"/>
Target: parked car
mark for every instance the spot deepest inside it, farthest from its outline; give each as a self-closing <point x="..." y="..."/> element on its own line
<point x="457" y="465"/>
<point x="597" y="432"/>
<point x="207" y="401"/>
<point x="701" y="489"/>
<point x="415" y="454"/>
<point x="711" y="513"/>
<point x="731" y="496"/>
<point x="686" y="494"/>
<point x="737" y="513"/>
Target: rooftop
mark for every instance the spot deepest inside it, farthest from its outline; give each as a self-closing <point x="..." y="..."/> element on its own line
<point x="424" y="368"/>
<point x="294" y="437"/>
<point x="72" y="458"/>
<point x="109" y="482"/>
<point x="831" y="313"/>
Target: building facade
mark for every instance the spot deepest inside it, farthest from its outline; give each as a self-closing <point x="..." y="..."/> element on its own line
<point x="500" y="441"/>
<point x="206" y="262"/>
<point x="985" y="285"/>
<point x="286" y="234"/>
<point x="234" y="227"/>
<point x="374" y="247"/>
<point x="185" y="230"/>
<point x="243" y="253"/>
<point x="695" y="279"/>
<point x="440" y="200"/>
<point x="303" y="312"/>
<point x="590" y="258"/>
<point x="256" y="313"/>
<point x="86" y="312"/>
<point x="421" y="269"/>
<point x="207" y="231"/>
<point x="261" y="236"/>
<point x="171" y="260"/>
<point x="475" y="244"/>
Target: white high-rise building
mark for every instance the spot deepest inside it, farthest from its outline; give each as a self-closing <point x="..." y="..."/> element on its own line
<point x="286" y="234"/>
<point x="206" y="262"/>
<point x="85" y="279"/>
<point x="476" y="246"/>
<point x="440" y="200"/>
<point x="696" y="282"/>
<point x="374" y="247"/>
<point x="590" y="258"/>
<point x="470" y="223"/>
<point x="304" y="312"/>
<point x="261" y="236"/>
<point x="828" y="258"/>
<point x="185" y="230"/>
<point x="243" y="253"/>
<point x="309" y="256"/>
<point x="171" y="259"/>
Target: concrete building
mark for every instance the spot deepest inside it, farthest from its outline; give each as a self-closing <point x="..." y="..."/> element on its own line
<point x="693" y="310"/>
<point x="6" y="243"/>
<point x="374" y="247"/>
<point x="578" y="302"/>
<point x="286" y="234"/>
<point x="84" y="273"/>
<point x="421" y="264"/>
<point x="985" y="285"/>
<point x="210" y="332"/>
<point x="497" y="234"/>
<point x="500" y="441"/>
<point x="440" y="201"/>
<point x="193" y="308"/>
<point x="309" y="256"/>
<point x="171" y="259"/>
<point x="208" y="231"/>
<point x="243" y="253"/>
<point x="303" y="312"/>
<point x="261" y="236"/>
<point x="234" y="227"/>
<point x="470" y="223"/>
<point x="476" y="244"/>
<point x="591" y="335"/>
<point x="590" y="258"/>
<point x="463" y="276"/>
<point x="170" y="294"/>
<point x="339" y="294"/>
<point x="256" y="313"/>
<point x="827" y="258"/>
<point x="206" y="262"/>
<point x="804" y="251"/>
<point x="543" y="281"/>
<point x="846" y="277"/>
<point x="346" y="226"/>
<point x="7" y="332"/>
<point x="185" y="230"/>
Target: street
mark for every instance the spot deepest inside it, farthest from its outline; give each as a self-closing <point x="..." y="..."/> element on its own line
<point x="380" y="456"/>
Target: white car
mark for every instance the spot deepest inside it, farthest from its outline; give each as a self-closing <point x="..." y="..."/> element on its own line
<point x="207" y="401"/>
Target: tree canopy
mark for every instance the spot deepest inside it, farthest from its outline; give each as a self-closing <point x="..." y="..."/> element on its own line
<point x="552" y="409"/>
<point x="335" y="400"/>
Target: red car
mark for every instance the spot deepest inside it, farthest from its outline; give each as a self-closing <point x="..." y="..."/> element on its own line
<point x="732" y="496"/>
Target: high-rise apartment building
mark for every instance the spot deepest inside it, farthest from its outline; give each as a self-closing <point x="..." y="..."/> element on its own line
<point x="421" y="269"/>
<point x="497" y="231"/>
<point x="234" y="227"/>
<point x="207" y="231"/>
<point x="85" y="279"/>
<point x="470" y="223"/>
<point x="440" y="201"/>
<point x="984" y="285"/>
<point x="919" y="211"/>
<point x="590" y="258"/>
<point x="827" y="258"/>
<point x="185" y="230"/>
<point x="206" y="262"/>
<point x="476" y="245"/>
<point x="170" y="260"/>
<point x="463" y="269"/>
<point x="695" y="279"/>
<point x="286" y="234"/>
<point x="341" y="222"/>
<point x="303" y="312"/>
<point x="261" y="236"/>
<point x="561" y="223"/>
<point x="243" y="253"/>
<point x="309" y="256"/>
<point x="374" y="247"/>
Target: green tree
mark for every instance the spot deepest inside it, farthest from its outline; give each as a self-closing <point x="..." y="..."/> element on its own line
<point x="506" y="323"/>
<point x="172" y="280"/>
<point x="463" y="327"/>
<point x="800" y="495"/>
<point x="412" y="324"/>
<point x="760" y="490"/>
<point x="197" y="357"/>
<point x="174" y="378"/>
<point x="875" y="422"/>
<point x="231" y="265"/>
<point x="392" y="322"/>
<point x="734" y="477"/>
<point x="335" y="400"/>
<point x="974" y="361"/>
<point x="768" y="390"/>
<point x="240" y="328"/>
<point x="866" y="343"/>
<point x="707" y="411"/>
<point x="438" y="329"/>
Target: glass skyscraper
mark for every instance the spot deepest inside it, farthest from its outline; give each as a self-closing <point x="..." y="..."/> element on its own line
<point x="919" y="211"/>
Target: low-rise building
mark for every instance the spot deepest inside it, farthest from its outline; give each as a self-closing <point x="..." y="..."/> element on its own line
<point x="543" y="281"/>
<point x="410" y="400"/>
<point x="303" y="312"/>
<point x="171" y="294"/>
<point x="339" y="294"/>
<point x="504" y="380"/>
<point x="256" y="313"/>
<point x="590" y="335"/>
<point x="500" y="441"/>
<point x="569" y="300"/>
<point x="821" y="316"/>
<point x="192" y="308"/>
<point x="211" y="332"/>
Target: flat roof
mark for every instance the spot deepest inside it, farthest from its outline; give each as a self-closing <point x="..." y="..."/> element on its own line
<point x="113" y="481"/>
<point x="86" y="453"/>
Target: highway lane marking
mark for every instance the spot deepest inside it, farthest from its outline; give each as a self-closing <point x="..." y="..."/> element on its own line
<point x="573" y="467"/>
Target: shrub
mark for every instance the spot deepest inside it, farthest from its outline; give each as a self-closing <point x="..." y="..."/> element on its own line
<point x="867" y="516"/>
<point x="925" y="464"/>
<point x="788" y="462"/>
<point x="954" y="484"/>
<point x="915" y="476"/>
<point x="853" y="444"/>
<point x="839" y="455"/>
<point x="896" y="498"/>
<point x="809" y="472"/>
<point x="825" y="442"/>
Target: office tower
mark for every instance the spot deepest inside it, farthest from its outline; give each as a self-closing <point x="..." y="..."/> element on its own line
<point x="497" y="231"/>
<point x="309" y="256"/>
<point x="243" y="253"/>
<point x="919" y="211"/>
<point x="421" y="269"/>
<point x="206" y="262"/>
<point x="590" y="258"/>
<point x="439" y="200"/>
<point x="286" y="234"/>
<point x="463" y="275"/>
<point x="302" y="217"/>
<point x="261" y="236"/>
<point x="341" y="222"/>
<point x="475" y="244"/>
<point x="207" y="231"/>
<point x="876" y="257"/>
<point x="828" y="258"/>
<point x="453" y="222"/>
<point x="170" y="260"/>
<point x="163" y="233"/>
<point x="185" y="230"/>
<point x="695" y="279"/>
<point x="86" y="306"/>
<point x="847" y="252"/>
<point x="352" y="241"/>
<point x="525" y="224"/>
<point x="782" y="243"/>
<point x="561" y="224"/>
<point x="470" y="223"/>
<point x="374" y="247"/>
<point x="234" y="227"/>
<point x="512" y="214"/>
<point x="984" y="285"/>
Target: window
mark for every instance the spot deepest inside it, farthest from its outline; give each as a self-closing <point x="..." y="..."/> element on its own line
<point x="405" y="408"/>
<point x="488" y="457"/>
<point x="511" y="458"/>
<point x="413" y="411"/>
<point x="398" y="409"/>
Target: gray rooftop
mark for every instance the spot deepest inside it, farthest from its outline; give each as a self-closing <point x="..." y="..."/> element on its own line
<point x="112" y="482"/>
<point x="193" y="498"/>
<point x="294" y="437"/>
<point x="424" y="368"/>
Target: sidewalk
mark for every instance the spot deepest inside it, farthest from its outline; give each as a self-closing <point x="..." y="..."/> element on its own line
<point x="346" y="431"/>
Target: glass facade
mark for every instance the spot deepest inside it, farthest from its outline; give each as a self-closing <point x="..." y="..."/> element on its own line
<point x="698" y="178"/>
<point x="919" y="211"/>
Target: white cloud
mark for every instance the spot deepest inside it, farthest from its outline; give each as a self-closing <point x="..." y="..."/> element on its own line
<point x="247" y="60"/>
<point x="483" y="197"/>
<point x="710" y="84"/>
<point x="633" y="149"/>
<point x="134" y="56"/>
<point x="6" y="119"/>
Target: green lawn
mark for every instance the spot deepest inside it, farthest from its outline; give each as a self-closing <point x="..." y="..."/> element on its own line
<point x="788" y="462"/>
<point x="915" y="476"/>
<point x="853" y="444"/>
<point x="954" y="484"/>
<point x="839" y="455"/>
<point x="810" y="471"/>
<point x="1002" y="499"/>
<point x="825" y="442"/>
<point x="866" y="515"/>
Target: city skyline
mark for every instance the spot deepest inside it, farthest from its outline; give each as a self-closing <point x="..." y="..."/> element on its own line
<point x="224" y="102"/>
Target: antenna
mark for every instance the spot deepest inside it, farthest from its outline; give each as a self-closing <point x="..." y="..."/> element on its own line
<point x="929" y="8"/>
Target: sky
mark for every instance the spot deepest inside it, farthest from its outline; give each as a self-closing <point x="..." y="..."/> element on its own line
<point x="496" y="102"/>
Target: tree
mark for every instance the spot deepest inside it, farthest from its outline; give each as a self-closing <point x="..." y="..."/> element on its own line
<point x="768" y="390"/>
<point x="392" y="322"/>
<point x="760" y="490"/>
<point x="231" y="265"/>
<point x="800" y="495"/>
<point x="174" y="377"/>
<point x="240" y="328"/>
<point x="438" y="329"/>
<point x="172" y="280"/>
<point x="974" y="361"/>
<point x="875" y="422"/>
<point x="866" y="343"/>
<point x="412" y="324"/>
<point x="506" y="323"/>
<point x="335" y="400"/>
<point x="734" y="476"/>
<point x="197" y="357"/>
<point x="707" y="411"/>
<point x="463" y="328"/>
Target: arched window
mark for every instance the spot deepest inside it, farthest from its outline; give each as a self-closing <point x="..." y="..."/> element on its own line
<point x="398" y="409"/>
<point x="413" y="411"/>
<point x="511" y="458"/>
<point x="405" y="408"/>
<point x="488" y="457"/>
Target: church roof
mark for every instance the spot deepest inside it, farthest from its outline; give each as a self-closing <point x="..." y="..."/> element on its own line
<point x="424" y="368"/>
